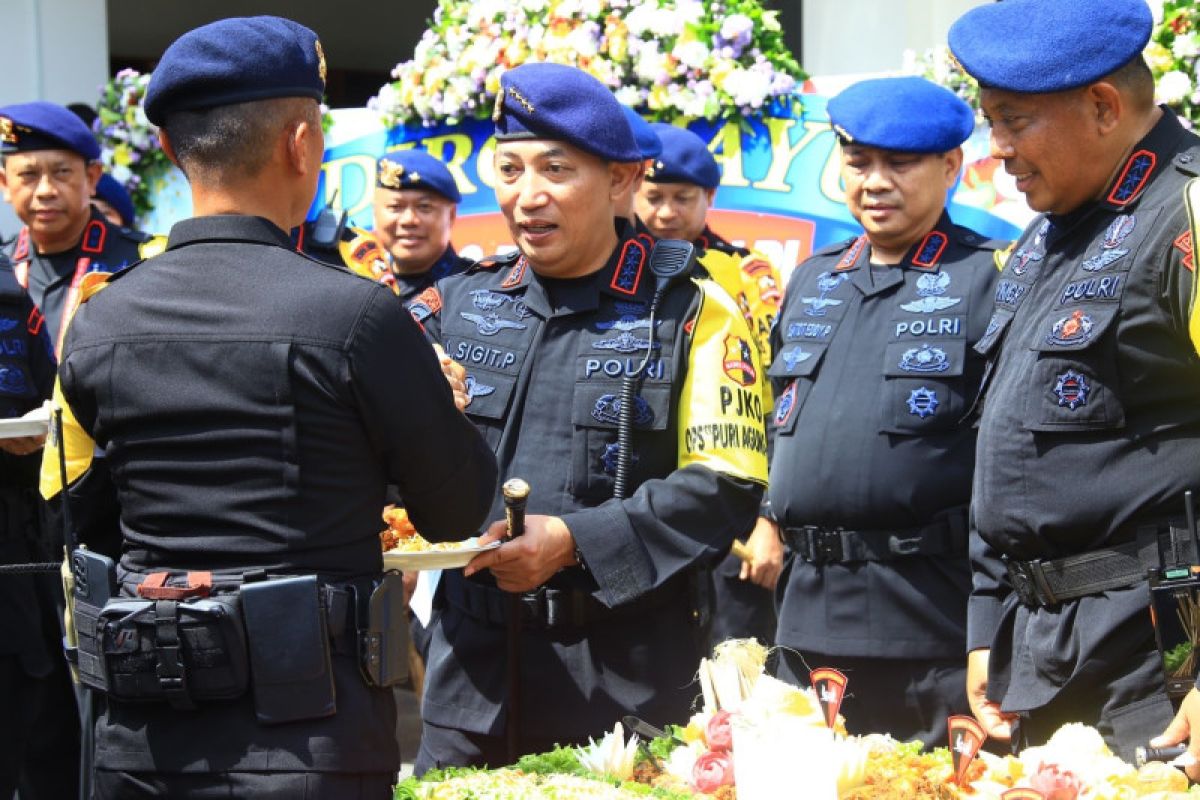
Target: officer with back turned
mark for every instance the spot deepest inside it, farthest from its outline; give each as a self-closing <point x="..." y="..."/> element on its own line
<point x="604" y="590"/>
<point x="254" y="404"/>
<point x="1089" y="431"/>
<point x="873" y="373"/>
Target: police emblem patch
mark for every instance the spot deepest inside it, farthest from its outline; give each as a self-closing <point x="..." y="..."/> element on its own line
<point x="738" y="361"/>
<point x="1071" y="330"/>
<point x="785" y="403"/>
<point x="1072" y="389"/>
<point x="925" y="359"/>
<point x="491" y="324"/>
<point x="7" y="134"/>
<point x="930" y="288"/>
<point x="1021" y="259"/>
<point x="923" y="402"/>
<point x="12" y="381"/>
<point x="477" y="389"/>
<point x="391" y="175"/>
<point x="608" y="410"/>
<point x="1110" y="250"/>
<point x="817" y="306"/>
<point x="425" y="304"/>
<point x="611" y="455"/>
<point x="795" y="355"/>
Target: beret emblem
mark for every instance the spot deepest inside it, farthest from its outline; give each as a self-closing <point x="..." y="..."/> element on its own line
<point x="390" y="174"/>
<point x="320" y="60"/>
<point x="7" y="134"/>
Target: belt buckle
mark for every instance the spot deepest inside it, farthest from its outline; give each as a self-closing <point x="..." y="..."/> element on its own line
<point x="1029" y="582"/>
<point x="826" y="545"/>
<point x="536" y="610"/>
<point x="904" y="547"/>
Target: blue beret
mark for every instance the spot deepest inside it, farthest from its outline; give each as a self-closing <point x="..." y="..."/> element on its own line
<point x="110" y="190"/>
<point x="236" y="60"/>
<point x="1042" y="46"/>
<point x="647" y="140"/>
<point x="45" y="126"/>
<point x="684" y="159"/>
<point x="416" y="169"/>
<point x="909" y="115"/>
<point x="554" y="101"/>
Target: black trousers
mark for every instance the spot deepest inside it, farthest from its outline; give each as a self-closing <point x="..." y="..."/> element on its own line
<point x="742" y="609"/>
<point x="39" y="733"/>
<point x="257" y="785"/>
<point x="908" y="698"/>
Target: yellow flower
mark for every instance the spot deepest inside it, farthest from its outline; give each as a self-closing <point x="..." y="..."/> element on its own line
<point x="491" y="84"/>
<point x="1158" y="57"/>
<point x="721" y="71"/>
<point x="659" y="97"/>
<point x="121" y="155"/>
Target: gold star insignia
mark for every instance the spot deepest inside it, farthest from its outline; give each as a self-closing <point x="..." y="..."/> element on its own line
<point x="7" y="134"/>
<point x="414" y="177"/>
<point x="320" y="62"/>
<point x="521" y="99"/>
<point x="390" y="174"/>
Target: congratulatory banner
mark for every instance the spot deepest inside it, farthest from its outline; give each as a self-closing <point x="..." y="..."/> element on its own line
<point x="780" y="192"/>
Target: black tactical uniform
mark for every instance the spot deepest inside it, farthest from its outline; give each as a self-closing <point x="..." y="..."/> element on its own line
<point x="39" y="742"/>
<point x="254" y="404"/>
<point x="871" y="472"/>
<point x="1087" y="440"/>
<point x="53" y="279"/>
<point x="544" y="359"/>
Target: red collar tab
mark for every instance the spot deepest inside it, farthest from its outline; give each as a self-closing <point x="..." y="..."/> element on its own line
<point x="627" y="273"/>
<point x="515" y="274"/>
<point x="930" y="250"/>
<point x="850" y="258"/>
<point x="21" y="252"/>
<point x="93" y="237"/>
<point x="1133" y="178"/>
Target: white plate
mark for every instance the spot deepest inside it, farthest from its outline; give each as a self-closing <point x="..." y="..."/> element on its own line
<point x="32" y="424"/>
<point x="434" y="559"/>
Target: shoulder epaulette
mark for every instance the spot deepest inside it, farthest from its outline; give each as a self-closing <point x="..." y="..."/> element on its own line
<point x="134" y="235"/>
<point x="1188" y="162"/>
<point x="972" y="239"/>
<point x="495" y="261"/>
<point x="836" y="247"/>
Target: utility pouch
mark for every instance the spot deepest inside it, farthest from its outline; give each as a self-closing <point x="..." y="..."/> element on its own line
<point x="382" y="657"/>
<point x="94" y="577"/>
<point x="288" y="637"/>
<point x="182" y="652"/>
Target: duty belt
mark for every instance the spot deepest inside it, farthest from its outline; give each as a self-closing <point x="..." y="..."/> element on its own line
<point x="1044" y="583"/>
<point x="824" y="545"/>
<point x="551" y="609"/>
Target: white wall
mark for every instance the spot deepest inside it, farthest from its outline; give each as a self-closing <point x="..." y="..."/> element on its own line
<point x="54" y="50"/>
<point x="864" y="36"/>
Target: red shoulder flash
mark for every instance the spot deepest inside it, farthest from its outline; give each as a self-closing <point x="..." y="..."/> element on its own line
<point x="1183" y="243"/>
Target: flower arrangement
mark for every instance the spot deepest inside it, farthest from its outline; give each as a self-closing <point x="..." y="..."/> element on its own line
<point x="128" y="142"/>
<point x="671" y="58"/>
<point x="1172" y="53"/>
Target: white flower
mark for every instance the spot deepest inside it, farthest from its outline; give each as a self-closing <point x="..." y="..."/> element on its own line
<point x="629" y="96"/>
<point x="691" y="54"/>
<point x="122" y="173"/>
<point x="585" y="40"/>
<point x="770" y="21"/>
<point x="669" y="22"/>
<point x="1186" y="46"/>
<point x="641" y="20"/>
<point x="748" y="87"/>
<point x="533" y="5"/>
<point x="649" y="63"/>
<point x="735" y="25"/>
<point x="1174" y="86"/>
<point x="1156" y="10"/>
<point x="691" y="10"/>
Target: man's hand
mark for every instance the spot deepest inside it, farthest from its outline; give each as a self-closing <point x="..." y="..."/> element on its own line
<point x="996" y="723"/>
<point x="23" y="445"/>
<point x="1183" y="728"/>
<point x="529" y="560"/>
<point x="767" y="548"/>
<point x="456" y="376"/>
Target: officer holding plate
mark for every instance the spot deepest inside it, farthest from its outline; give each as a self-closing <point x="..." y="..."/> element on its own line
<point x="1089" y="432"/>
<point x="254" y="404"/>
<point x="626" y="392"/>
<point x="873" y="374"/>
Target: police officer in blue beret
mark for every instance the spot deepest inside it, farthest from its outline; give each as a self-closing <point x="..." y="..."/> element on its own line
<point x="51" y="169"/>
<point x="416" y="203"/>
<point x="650" y="147"/>
<point x="604" y="591"/>
<point x="255" y="404"/>
<point x="873" y="373"/>
<point x="1090" y="427"/>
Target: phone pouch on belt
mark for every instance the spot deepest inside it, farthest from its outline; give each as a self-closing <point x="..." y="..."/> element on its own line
<point x="382" y="655"/>
<point x="289" y="650"/>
